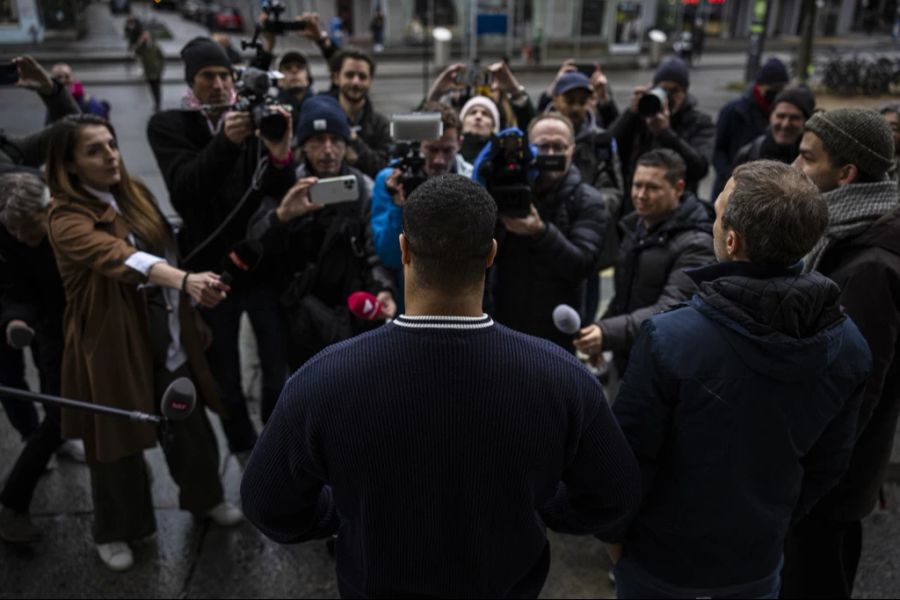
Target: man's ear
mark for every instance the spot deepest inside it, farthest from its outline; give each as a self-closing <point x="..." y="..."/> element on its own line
<point x="848" y="174"/>
<point x="491" y="255"/>
<point x="680" y="185"/>
<point x="734" y="245"/>
<point x="405" y="255"/>
<point x="335" y="78"/>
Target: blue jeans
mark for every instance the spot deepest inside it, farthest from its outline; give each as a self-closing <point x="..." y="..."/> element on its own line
<point x="634" y="582"/>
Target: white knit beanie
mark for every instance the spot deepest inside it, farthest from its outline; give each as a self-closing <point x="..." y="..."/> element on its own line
<point x="485" y="102"/>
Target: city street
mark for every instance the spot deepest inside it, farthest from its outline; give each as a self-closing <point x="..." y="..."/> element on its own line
<point x="193" y="559"/>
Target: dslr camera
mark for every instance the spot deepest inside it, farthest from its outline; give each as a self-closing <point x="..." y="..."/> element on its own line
<point x="253" y="87"/>
<point x="274" y="24"/>
<point x="508" y="166"/>
<point x="652" y="102"/>
<point x="408" y="131"/>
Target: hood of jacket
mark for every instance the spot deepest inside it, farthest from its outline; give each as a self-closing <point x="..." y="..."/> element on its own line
<point x="783" y="323"/>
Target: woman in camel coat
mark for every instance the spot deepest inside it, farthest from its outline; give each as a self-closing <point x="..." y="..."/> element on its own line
<point x="123" y="341"/>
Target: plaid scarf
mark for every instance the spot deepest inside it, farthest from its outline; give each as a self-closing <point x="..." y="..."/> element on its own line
<point x="851" y="210"/>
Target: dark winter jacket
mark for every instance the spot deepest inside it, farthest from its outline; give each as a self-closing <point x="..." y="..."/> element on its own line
<point x="691" y="134"/>
<point x="323" y="257"/>
<point x="867" y="268"/>
<point x="649" y="275"/>
<point x="739" y="123"/>
<point x="741" y="408"/>
<point x="373" y="139"/>
<point x="534" y="275"/>
<point x="207" y="176"/>
<point x="764" y="148"/>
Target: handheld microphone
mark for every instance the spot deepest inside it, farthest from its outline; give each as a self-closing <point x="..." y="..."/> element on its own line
<point x="243" y="258"/>
<point x="179" y="400"/>
<point x="567" y="320"/>
<point x="20" y="336"/>
<point x="365" y="306"/>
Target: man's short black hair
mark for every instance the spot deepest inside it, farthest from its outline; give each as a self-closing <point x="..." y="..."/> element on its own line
<point x="663" y="158"/>
<point x="337" y="62"/>
<point x="449" y="223"/>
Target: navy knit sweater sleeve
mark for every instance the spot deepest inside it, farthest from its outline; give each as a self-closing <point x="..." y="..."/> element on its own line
<point x="440" y="452"/>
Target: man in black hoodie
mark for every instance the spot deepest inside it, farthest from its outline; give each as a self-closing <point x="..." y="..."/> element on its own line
<point x="740" y="405"/>
<point x="669" y="230"/>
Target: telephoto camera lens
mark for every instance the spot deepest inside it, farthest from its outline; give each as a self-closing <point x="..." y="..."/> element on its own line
<point x="652" y="102"/>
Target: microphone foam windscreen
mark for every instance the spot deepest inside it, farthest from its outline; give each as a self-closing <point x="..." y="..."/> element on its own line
<point x="566" y="319"/>
<point x="364" y="305"/>
<point x="246" y="254"/>
<point x="179" y="399"/>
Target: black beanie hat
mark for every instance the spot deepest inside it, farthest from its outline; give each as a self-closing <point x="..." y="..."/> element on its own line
<point x="860" y="136"/>
<point x="202" y="52"/>
<point x="801" y="97"/>
<point x="675" y="70"/>
<point x="773" y="71"/>
<point x="322" y="114"/>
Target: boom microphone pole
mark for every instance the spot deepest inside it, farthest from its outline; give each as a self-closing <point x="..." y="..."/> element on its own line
<point x="177" y="403"/>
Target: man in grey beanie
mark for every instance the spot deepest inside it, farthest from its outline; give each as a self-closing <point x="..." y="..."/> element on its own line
<point x="847" y="153"/>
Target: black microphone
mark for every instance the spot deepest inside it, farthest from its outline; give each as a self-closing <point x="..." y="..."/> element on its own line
<point x="179" y="400"/>
<point x="20" y="336"/>
<point x="567" y="320"/>
<point x="243" y="258"/>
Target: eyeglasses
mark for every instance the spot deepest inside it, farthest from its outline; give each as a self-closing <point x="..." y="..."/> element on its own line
<point x="552" y="148"/>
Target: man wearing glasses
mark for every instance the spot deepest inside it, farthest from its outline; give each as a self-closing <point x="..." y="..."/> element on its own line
<point x="546" y="256"/>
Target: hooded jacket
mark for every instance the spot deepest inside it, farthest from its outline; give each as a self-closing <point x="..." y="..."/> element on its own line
<point x="649" y="275"/>
<point x="867" y="267"/>
<point x="741" y="408"/>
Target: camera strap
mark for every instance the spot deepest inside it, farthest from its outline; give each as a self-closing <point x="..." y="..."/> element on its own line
<point x="262" y="164"/>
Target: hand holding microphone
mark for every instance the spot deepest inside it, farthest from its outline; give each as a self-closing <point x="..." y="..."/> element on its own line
<point x="588" y="340"/>
<point x="368" y="307"/>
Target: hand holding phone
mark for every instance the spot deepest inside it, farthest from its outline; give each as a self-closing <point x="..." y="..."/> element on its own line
<point x="334" y="190"/>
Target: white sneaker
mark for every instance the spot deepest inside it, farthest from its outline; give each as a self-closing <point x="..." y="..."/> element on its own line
<point x="74" y="449"/>
<point x="225" y="514"/>
<point x="116" y="556"/>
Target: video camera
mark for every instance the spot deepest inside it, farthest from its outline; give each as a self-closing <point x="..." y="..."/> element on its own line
<point x="274" y="24"/>
<point x="508" y="166"/>
<point x="409" y="130"/>
<point x="253" y="87"/>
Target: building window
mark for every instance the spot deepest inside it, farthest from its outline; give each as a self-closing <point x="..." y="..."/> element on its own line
<point x="9" y="12"/>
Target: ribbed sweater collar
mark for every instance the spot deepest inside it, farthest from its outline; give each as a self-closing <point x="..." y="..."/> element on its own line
<point x="443" y="322"/>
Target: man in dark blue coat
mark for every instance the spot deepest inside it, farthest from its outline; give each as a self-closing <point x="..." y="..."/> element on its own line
<point x="740" y="405"/>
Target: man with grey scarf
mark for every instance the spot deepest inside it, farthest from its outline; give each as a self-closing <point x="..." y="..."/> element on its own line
<point x="847" y="153"/>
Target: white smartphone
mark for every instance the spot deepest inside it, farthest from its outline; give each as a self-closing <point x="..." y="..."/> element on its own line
<point x="334" y="190"/>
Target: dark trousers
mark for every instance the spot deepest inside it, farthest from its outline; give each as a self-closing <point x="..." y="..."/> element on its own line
<point x="820" y="558"/>
<point x="155" y="89"/>
<point x="260" y="302"/>
<point x="45" y="439"/>
<point x="22" y="415"/>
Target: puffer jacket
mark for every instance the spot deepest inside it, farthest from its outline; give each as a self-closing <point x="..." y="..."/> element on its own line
<point x="741" y="407"/>
<point x="649" y="275"/>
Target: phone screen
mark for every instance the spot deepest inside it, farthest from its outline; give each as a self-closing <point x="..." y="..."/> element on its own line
<point x="9" y="74"/>
<point x="586" y="68"/>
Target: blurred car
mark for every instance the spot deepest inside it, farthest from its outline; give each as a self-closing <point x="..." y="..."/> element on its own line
<point x="194" y="10"/>
<point x="224" y="18"/>
<point x="120" y="7"/>
<point x="165" y="4"/>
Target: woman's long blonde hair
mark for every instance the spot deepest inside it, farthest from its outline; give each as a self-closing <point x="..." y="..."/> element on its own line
<point x="134" y="199"/>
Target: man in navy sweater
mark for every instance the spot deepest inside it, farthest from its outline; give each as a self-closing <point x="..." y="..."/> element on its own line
<point x="741" y="405"/>
<point x="441" y="446"/>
